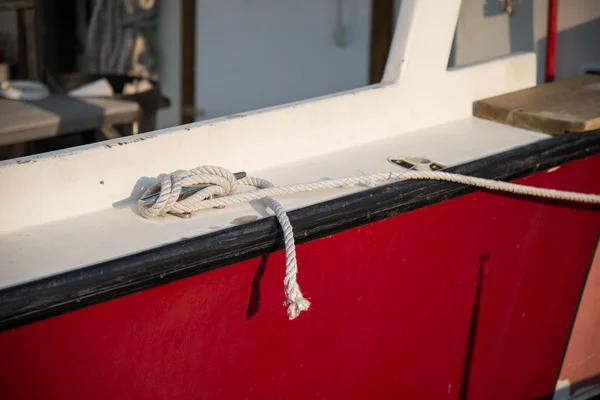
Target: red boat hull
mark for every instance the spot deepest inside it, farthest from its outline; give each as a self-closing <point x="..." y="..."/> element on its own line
<point x="472" y="298"/>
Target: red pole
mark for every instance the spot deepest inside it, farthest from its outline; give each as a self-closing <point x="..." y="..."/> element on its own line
<point x="551" y="40"/>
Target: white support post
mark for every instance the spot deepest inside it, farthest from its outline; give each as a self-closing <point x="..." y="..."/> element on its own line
<point x="422" y="40"/>
<point x="418" y="67"/>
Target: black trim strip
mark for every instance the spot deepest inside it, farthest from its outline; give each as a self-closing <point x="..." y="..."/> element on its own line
<point x="65" y="292"/>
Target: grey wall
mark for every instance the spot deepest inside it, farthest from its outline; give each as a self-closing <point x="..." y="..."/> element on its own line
<point x="262" y="53"/>
<point x="306" y="37"/>
<point x="484" y="31"/>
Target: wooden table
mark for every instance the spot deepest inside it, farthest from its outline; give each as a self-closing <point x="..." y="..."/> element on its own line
<point x="58" y="114"/>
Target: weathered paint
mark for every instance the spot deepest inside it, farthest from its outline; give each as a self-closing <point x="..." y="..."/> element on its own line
<point x="580" y="372"/>
<point x="471" y="297"/>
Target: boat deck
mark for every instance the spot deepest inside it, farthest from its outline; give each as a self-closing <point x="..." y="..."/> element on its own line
<point x="118" y="230"/>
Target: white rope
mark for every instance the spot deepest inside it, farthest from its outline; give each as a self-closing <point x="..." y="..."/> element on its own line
<point x="223" y="186"/>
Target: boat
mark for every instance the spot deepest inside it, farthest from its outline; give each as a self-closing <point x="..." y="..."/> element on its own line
<point x="419" y="243"/>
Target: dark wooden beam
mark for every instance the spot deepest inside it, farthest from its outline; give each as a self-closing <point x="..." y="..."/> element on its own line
<point x="382" y="31"/>
<point x="188" y="59"/>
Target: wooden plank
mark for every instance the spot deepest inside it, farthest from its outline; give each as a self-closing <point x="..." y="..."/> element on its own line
<point x="570" y="105"/>
<point x="21" y="122"/>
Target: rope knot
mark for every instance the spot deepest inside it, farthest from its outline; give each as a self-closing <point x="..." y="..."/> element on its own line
<point x="218" y="182"/>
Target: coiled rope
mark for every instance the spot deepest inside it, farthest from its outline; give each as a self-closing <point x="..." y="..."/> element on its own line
<point x="223" y="186"/>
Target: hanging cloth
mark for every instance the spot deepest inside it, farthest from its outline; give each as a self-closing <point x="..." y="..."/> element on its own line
<point x="119" y="38"/>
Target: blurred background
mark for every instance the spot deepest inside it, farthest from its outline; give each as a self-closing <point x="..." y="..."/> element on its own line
<point x="79" y="71"/>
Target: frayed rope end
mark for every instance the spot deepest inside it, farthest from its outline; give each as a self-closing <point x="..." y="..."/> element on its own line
<point x="296" y="307"/>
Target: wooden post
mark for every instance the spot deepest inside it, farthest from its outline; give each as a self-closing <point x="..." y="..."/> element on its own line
<point x="382" y="31"/>
<point x="188" y="60"/>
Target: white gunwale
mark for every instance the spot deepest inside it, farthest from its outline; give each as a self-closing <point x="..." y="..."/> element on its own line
<point x="76" y="204"/>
